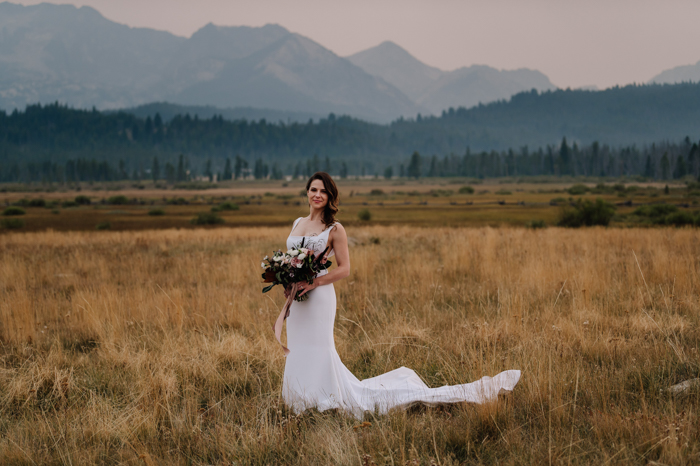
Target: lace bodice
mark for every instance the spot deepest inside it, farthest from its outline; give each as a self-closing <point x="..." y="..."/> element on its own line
<point x="317" y="243"/>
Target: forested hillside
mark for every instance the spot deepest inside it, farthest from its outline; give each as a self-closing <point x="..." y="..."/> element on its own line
<point x="619" y="131"/>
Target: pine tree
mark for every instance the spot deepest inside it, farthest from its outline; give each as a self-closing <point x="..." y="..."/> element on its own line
<point x="649" y="168"/>
<point x="170" y="174"/>
<point x="227" y="169"/>
<point x="158" y="123"/>
<point x="594" y="160"/>
<point x="564" y="158"/>
<point x="681" y="169"/>
<point x="122" y="170"/>
<point x="181" y="175"/>
<point x="433" y="166"/>
<point x="414" y="166"/>
<point x="238" y="168"/>
<point x="155" y="170"/>
<point x="693" y="157"/>
<point x="207" y="171"/>
<point x="665" y="166"/>
<point x="388" y="172"/>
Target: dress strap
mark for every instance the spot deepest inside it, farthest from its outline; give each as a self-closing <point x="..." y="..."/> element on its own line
<point x="296" y="222"/>
<point x="330" y="228"/>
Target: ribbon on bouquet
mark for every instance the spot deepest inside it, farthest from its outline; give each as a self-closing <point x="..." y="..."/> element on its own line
<point x="277" y="327"/>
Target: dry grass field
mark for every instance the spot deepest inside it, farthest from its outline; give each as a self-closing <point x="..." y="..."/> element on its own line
<point x="155" y="347"/>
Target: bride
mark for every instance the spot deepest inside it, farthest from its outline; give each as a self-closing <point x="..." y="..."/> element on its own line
<point x="314" y="375"/>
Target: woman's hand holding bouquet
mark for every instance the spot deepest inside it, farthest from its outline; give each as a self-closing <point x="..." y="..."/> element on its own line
<point x="293" y="267"/>
<point x="294" y="270"/>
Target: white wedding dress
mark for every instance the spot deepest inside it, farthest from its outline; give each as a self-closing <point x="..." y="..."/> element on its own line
<point x="314" y="375"/>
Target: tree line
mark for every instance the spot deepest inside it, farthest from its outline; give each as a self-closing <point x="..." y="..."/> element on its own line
<point x="659" y="161"/>
<point x="521" y="136"/>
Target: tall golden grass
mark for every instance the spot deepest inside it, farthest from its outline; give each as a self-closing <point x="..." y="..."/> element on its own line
<point x="156" y="347"/>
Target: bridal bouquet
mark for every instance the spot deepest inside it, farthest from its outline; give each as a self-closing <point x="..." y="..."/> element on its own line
<point x="296" y="265"/>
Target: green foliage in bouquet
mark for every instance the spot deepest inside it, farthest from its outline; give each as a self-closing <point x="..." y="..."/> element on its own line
<point x="296" y="265"/>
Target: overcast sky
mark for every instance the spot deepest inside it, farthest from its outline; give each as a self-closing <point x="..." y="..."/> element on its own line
<point x="574" y="42"/>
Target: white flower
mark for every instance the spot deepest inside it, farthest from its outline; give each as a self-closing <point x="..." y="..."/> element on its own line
<point x="278" y="258"/>
<point x="299" y="265"/>
<point x="305" y="251"/>
<point x="293" y="252"/>
<point x="265" y="258"/>
<point x="262" y="264"/>
<point x="302" y="256"/>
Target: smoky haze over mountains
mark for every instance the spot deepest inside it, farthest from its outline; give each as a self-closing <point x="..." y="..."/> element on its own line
<point x="685" y="73"/>
<point x="437" y="90"/>
<point x="76" y="56"/>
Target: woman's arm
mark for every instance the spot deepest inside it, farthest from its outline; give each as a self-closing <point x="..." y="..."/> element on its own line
<point x="338" y="242"/>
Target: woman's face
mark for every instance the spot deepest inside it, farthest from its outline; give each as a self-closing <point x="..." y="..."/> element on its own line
<point x="317" y="194"/>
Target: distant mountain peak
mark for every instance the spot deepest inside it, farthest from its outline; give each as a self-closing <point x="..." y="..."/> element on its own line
<point x="397" y="66"/>
<point x="437" y="90"/>
<point x="684" y="73"/>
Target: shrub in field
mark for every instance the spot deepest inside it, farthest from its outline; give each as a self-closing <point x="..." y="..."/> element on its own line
<point x="578" y="189"/>
<point x="156" y="212"/>
<point x="207" y="218"/>
<point x="82" y="200"/>
<point x="655" y="213"/>
<point x="69" y="204"/>
<point x="13" y="210"/>
<point x="228" y="206"/>
<point x="118" y="200"/>
<point x="666" y="214"/>
<point x="37" y="203"/>
<point x="376" y="192"/>
<point x="602" y="188"/>
<point x="536" y="224"/>
<point x="587" y="213"/>
<point x="178" y="201"/>
<point x="503" y="192"/>
<point x="466" y="190"/>
<point x="103" y="226"/>
<point x="196" y="185"/>
<point x="364" y="215"/>
<point x="441" y="192"/>
<point x="12" y="223"/>
<point x="680" y="219"/>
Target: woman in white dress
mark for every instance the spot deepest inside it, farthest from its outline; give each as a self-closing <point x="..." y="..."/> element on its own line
<point x="314" y="375"/>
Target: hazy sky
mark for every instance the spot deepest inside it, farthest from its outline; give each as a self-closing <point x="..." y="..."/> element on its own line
<point x="574" y="42"/>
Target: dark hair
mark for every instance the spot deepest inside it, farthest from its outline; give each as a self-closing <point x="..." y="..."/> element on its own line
<point x="332" y="206"/>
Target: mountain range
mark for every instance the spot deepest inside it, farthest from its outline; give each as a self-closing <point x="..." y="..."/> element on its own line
<point x="679" y="74"/>
<point x="76" y="56"/>
<point x="437" y="90"/>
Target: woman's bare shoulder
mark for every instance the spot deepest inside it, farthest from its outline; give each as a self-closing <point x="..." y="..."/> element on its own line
<point x="339" y="228"/>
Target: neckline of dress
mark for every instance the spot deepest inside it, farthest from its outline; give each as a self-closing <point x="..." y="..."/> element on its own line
<point x="315" y="236"/>
<point x="308" y="236"/>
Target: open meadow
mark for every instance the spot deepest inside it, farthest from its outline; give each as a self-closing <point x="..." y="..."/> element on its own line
<point x="155" y="347"/>
<point x="123" y="206"/>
